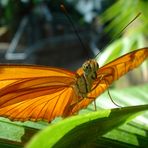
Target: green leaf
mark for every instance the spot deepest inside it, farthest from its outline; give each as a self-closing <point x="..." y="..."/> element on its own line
<point x="81" y="130"/>
<point x="130" y="134"/>
<point x="16" y="134"/>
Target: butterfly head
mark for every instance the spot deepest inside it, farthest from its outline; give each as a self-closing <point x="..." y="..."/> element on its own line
<point x="90" y="66"/>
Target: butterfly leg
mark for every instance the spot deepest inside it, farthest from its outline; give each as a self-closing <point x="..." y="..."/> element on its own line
<point x="110" y="94"/>
<point x="94" y="102"/>
<point x="95" y="106"/>
<point x="112" y="98"/>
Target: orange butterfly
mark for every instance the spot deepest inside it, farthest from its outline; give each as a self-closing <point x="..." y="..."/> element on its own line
<point x="43" y="93"/>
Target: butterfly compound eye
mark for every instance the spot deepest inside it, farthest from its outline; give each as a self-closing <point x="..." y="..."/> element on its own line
<point x="90" y="66"/>
<point x="94" y="65"/>
<point x="86" y="67"/>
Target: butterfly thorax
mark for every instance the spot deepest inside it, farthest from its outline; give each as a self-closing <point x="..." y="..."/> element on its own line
<point x="85" y="80"/>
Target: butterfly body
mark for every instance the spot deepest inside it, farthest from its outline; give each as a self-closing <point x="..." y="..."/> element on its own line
<point x="43" y="93"/>
<point x="87" y="77"/>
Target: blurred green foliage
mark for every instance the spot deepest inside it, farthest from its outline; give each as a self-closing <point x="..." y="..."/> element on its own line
<point x="118" y="15"/>
<point x="133" y="37"/>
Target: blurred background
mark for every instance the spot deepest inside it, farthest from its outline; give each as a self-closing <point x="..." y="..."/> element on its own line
<point x="38" y="32"/>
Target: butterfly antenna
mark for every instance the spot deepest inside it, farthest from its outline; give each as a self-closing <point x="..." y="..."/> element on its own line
<point x="112" y="99"/>
<point x="73" y="26"/>
<point x="118" y="34"/>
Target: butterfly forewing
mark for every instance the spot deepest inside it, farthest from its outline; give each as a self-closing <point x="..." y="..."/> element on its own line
<point x="26" y="98"/>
